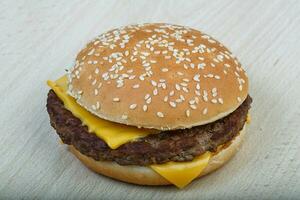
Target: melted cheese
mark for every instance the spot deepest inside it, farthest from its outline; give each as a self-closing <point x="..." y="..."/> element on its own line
<point x="113" y="134"/>
<point x="248" y="120"/>
<point x="182" y="173"/>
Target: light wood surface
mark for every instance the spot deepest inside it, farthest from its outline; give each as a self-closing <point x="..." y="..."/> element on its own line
<point x="39" y="39"/>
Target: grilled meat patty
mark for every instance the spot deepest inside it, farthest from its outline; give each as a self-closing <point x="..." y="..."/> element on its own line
<point x="174" y="145"/>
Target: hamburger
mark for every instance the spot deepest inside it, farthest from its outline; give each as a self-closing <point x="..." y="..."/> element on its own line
<point x="152" y="104"/>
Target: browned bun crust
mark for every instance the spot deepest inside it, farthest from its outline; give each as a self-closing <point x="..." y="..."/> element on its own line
<point x="145" y="175"/>
<point x="158" y="76"/>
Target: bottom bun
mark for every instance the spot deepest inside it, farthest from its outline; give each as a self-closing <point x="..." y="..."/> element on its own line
<point x="145" y="175"/>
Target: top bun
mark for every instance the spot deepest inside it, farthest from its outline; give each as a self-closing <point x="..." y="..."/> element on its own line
<point x="159" y="76"/>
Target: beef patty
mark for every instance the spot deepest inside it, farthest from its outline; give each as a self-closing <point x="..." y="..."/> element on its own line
<point x="174" y="145"/>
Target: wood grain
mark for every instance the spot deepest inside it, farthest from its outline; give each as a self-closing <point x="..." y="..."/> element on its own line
<point x="39" y="39"/>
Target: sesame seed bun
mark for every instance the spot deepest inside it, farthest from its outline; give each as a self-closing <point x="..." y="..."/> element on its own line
<point x="145" y="175"/>
<point x="158" y="76"/>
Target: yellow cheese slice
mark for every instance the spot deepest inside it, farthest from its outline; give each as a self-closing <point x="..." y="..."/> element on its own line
<point x="113" y="134"/>
<point x="182" y="173"/>
<point x="248" y="120"/>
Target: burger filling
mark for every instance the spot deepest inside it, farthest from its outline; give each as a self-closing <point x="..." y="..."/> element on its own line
<point x="176" y="145"/>
<point x="146" y="147"/>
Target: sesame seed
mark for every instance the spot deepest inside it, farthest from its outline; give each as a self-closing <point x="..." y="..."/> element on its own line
<point x="116" y="99"/>
<point x="171" y="93"/>
<point x="153" y="83"/>
<point x="180" y="73"/>
<point x="240" y="87"/>
<point x="216" y="60"/>
<point x="146" y="64"/>
<point x="166" y="98"/>
<point x="96" y="91"/>
<point x="124" y="117"/>
<point x="217" y="77"/>
<point x="148" y="101"/>
<point x="119" y="85"/>
<point x="205" y="36"/>
<point x="182" y="97"/>
<point x="147" y="96"/>
<point x="204" y="112"/>
<point x="131" y="77"/>
<point x="177" y="87"/>
<point x="196" y="77"/>
<point x="239" y="99"/>
<point x="197" y="93"/>
<point x="172" y="104"/>
<point x="188" y="113"/>
<point x="97" y="105"/>
<point x="183" y="84"/>
<point x="192" y="101"/>
<point x="201" y="65"/>
<point x="214" y="101"/>
<point x="133" y="106"/>
<point x="178" y="100"/>
<point x="164" y="69"/>
<point x="160" y="114"/>
<point x="220" y="100"/>
<point x="94" y="107"/>
<point x="214" y="90"/>
<point x="91" y="52"/>
<point x="141" y="77"/>
<point x="135" y="86"/>
<point x="96" y="71"/>
<point x="155" y="92"/>
<point x="193" y="106"/>
<point x="145" y="108"/>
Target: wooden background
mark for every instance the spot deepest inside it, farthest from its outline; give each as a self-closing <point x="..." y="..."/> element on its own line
<point x="39" y="39"/>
